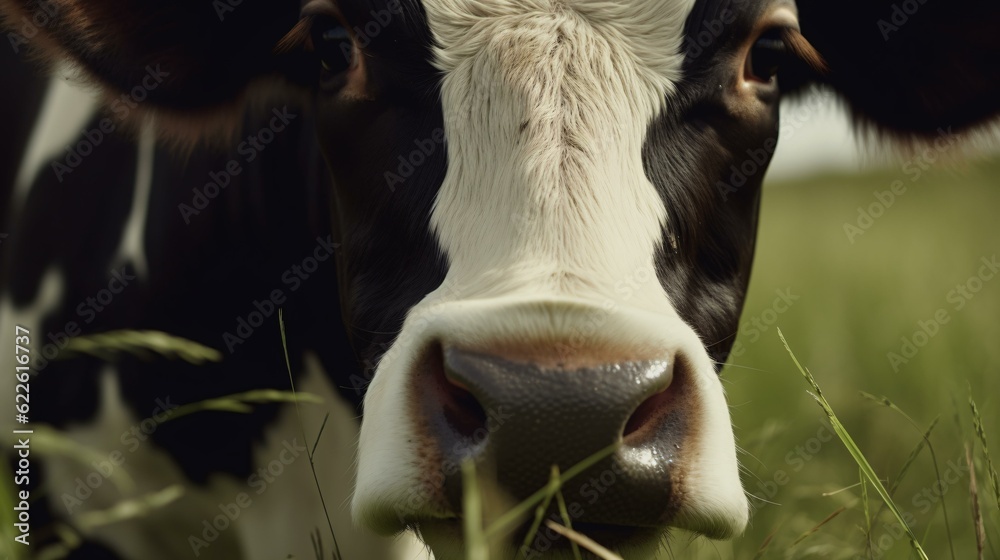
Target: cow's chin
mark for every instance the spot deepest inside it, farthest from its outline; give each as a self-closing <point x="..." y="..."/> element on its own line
<point x="446" y="540"/>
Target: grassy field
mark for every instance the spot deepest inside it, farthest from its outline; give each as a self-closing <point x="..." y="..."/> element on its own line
<point x="857" y="298"/>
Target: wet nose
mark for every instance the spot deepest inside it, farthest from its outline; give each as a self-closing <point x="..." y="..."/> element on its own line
<point x="522" y="418"/>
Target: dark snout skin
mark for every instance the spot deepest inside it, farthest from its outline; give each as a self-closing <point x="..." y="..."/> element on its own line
<point x="519" y="419"/>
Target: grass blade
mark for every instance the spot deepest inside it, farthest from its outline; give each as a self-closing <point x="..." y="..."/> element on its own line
<point x="564" y="513"/>
<point x="839" y="490"/>
<point x="868" y="516"/>
<point x="552" y="488"/>
<point x="819" y="526"/>
<point x="585" y="542"/>
<point x="924" y="441"/>
<point x="129" y="509"/>
<point x="240" y="402"/>
<point x="977" y="422"/>
<point x="519" y="511"/>
<point x="317" y="541"/>
<point x="884" y="401"/>
<point x="764" y="545"/>
<point x="853" y="449"/>
<point x="49" y="441"/>
<point x="302" y="429"/>
<point x="977" y="514"/>
<point x="110" y="346"/>
<point x="68" y="539"/>
<point x="319" y="434"/>
<point x="472" y="514"/>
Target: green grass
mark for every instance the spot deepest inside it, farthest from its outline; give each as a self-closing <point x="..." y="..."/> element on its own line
<point x="109" y="346"/>
<point x="857" y="301"/>
<point x="868" y="475"/>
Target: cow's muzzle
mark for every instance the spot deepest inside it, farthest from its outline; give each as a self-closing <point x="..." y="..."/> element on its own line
<point x="517" y="420"/>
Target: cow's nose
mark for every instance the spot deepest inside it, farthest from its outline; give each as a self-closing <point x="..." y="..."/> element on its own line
<point x="520" y="419"/>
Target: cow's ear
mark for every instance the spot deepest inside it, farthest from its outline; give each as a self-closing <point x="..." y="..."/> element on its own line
<point x="911" y="67"/>
<point x="184" y="58"/>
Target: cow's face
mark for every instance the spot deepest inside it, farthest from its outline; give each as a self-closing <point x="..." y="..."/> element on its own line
<point x="545" y="191"/>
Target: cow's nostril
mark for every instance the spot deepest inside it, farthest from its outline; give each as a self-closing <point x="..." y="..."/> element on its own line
<point x="644" y="421"/>
<point x="645" y="417"/>
<point x="649" y="416"/>
<point x="460" y="409"/>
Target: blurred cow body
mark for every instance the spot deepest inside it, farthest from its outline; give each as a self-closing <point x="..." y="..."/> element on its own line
<point x="61" y="260"/>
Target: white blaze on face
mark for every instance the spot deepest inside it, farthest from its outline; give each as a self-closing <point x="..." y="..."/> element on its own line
<point x="545" y="215"/>
<point x="546" y="108"/>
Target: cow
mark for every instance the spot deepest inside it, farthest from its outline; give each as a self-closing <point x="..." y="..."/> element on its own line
<point x="506" y="229"/>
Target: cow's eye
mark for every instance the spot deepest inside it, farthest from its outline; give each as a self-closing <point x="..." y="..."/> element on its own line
<point x="766" y="57"/>
<point x="333" y="44"/>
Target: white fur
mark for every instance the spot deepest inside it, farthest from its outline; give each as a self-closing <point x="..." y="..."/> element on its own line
<point x="546" y="218"/>
<point x="64" y="114"/>
<point x="132" y="248"/>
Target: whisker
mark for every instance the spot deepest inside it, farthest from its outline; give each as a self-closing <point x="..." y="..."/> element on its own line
<point x="756" y="497"/>
<point x="730" y="364"/>
<point x="722" y="340"/>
